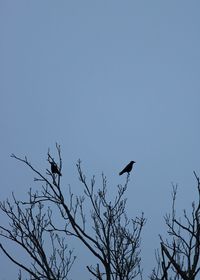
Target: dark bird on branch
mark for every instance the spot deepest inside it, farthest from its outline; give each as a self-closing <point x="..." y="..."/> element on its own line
<point x="54" y="168"/>
<point x="128" y="168"/>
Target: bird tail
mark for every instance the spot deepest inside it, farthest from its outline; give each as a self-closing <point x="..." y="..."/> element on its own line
<point x="120" y="173"/>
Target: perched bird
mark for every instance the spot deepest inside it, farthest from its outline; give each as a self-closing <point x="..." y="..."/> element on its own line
<point x="128" y="168"/>
<point x="54" y="168"/>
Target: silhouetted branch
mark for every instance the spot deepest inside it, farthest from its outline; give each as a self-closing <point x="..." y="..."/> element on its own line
<point x="111" y="237"/>
<point x="182" y="250"/>
<point x="30" y="227"/>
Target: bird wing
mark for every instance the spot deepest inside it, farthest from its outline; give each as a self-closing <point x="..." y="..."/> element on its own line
<point x="123" y="171"/>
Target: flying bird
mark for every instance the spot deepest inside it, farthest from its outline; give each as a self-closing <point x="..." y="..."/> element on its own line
<point x="128" y="168"/>
<point x="54" y="169"/>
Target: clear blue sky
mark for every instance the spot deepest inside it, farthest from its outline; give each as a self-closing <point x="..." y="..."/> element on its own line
<point x="111" y="81"/>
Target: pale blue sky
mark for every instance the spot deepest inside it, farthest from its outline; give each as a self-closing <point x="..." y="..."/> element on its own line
<point x="111" y="81"/>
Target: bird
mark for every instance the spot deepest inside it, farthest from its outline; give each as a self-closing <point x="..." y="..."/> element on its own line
<point x="128" y="168"/>
<point x="54" y="168"/>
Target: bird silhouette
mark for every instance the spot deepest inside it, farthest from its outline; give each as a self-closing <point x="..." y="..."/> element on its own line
<point x="54" y="169"/>
<point x="128" y="168"/>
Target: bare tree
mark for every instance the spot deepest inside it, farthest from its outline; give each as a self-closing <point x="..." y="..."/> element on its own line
<point x="179" y="256"/>
<point x="110" y="236"/>
<point x="116" y="238"/>
<point x="30" y="230"/>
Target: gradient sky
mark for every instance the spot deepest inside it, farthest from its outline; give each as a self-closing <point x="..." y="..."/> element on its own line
<point x="110" y="81"/>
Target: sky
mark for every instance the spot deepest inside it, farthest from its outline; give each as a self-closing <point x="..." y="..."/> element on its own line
<point x="111" y="82"/>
